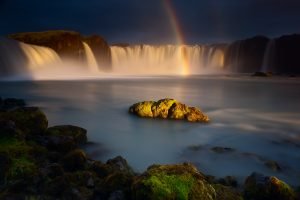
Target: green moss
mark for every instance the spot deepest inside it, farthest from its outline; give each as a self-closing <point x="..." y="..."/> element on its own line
<point x="142" y="109"/>
<point x="21" y="167"/>
<point x="165" y="186"/>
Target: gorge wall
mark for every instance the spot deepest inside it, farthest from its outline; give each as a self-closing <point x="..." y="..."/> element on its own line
<point x="28" y="52"/>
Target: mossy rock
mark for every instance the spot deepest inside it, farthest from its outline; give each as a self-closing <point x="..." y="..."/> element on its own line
<point x="160" y="109"/>
<point x="78" y="134"/>
<point x="168" y="108"/>
<point x="30" y="120"/>
<point x="142" y="109"/>
<point x="181" y="181"/>
<point x="261" y="187"/>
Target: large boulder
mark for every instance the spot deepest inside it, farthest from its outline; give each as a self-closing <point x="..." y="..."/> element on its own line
<point x="261" y="187"/>
<point x="30" y="120"/>
<point x="78" y="134"/>
<point x="168" y="108"/>
<point x="181" y="181"/>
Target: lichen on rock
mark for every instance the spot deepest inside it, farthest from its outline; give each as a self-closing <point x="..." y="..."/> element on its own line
<point x="168" y="108"/>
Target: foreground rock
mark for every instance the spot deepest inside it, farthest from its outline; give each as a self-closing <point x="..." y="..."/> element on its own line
<point x="37" y="162"/>
<point x="168" y="109"/>
<point x="262" y="187"/>
<point x="181" y="181"/>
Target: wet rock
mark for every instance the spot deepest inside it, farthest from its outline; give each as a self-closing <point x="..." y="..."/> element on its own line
<point x="119" y="164"/>
<point x="168" y="108"/>
<point x="30" y="120"/>
<point x="222" y="149"/>
<point x="74" y="160"/>
<point x="78" y="134"/>
<point x="261" y="187"/>
<point x="182" y="181"/>
<point x="273" y="165"/>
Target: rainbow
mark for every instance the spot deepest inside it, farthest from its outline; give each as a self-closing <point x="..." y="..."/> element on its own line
<point x="179" y="36"/>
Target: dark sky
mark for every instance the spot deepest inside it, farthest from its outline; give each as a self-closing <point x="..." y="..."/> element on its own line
<point x="146" y="21"/>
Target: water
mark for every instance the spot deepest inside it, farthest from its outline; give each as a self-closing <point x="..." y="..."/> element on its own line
<point x="167" y="59"/>
<point x="258" y="117"/>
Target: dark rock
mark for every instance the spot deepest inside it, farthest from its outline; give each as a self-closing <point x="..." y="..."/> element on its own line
<point x="78" y="134"/>
<point x="55" y="170"/>
<point x="119" y="164"/>
<point x="261" y="187"/>
<point x="168" y="108"/>
<point x="226" y="193"/>
<point x="5" y="163"/>
<point x="182" y="181"/>
<point x="100" y="169"/>
<point x="10" y="103"/>
<point x="57" y="186"/>
<point x="61" y="144"/>
<point x="8" y="128"/>
<point x="228" y="181"/>
<point x="222" y="149"/>
<point x="30" y="120"/>
<point x="117" y="195"/>
<point x="262" y="74"/>
<point x="273" y="165"/>
<point x="74" y="160"/>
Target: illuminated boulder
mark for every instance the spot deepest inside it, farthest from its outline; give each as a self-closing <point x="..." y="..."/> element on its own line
<point x="168" y="109"/>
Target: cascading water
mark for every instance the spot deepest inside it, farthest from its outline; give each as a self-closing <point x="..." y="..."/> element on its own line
<point x="166" y="59"/>
<point x="38" y="56"/>
<point x="268" y="62"/>
<point x="91" y="60"/>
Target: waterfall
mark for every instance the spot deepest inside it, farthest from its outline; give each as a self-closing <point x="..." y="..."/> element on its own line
<point x="91" y="60"/>
<point x="269" y="56"/>
<point x="38" y="56"/>
<point x="166" y="59"/>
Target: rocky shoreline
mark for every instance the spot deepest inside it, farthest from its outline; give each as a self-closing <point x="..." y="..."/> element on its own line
<point x="38" y="162"/>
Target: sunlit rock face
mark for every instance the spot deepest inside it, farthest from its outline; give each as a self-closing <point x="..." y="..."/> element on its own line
<point x="168" y="109"/>
<point x="69" y="46"/>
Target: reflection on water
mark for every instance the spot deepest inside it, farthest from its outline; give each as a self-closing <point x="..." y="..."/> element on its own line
<point x="258" y="117"/>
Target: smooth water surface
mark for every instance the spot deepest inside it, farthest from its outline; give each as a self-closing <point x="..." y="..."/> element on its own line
<point x="258" y="117"/>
